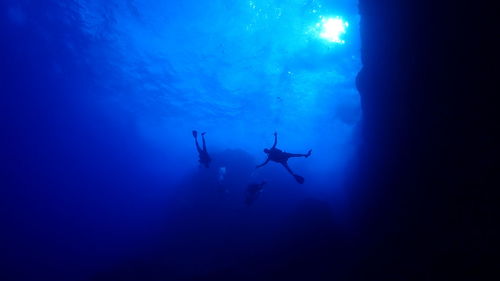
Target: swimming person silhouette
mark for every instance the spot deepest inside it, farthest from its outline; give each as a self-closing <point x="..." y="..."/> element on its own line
<point x="204" y="157"/>
<point x="282" y="157"/>
<point x="253" y="192"/>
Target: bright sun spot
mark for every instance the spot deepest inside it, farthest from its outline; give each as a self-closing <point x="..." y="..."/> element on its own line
<point x="332" y="29"/>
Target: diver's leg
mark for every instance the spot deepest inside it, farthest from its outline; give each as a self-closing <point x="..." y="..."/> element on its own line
<point x="197" y="145"/>
<point x="298" y="154"/>
<point x="298" y="178"/>
<point x="203" y="139"/>
<point x="288" y="155"/>
<point x="285" y="164"/>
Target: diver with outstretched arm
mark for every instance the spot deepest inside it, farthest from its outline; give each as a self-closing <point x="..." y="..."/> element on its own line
<point x="274" y="146"/>
<point x="203" y="154"/>
<point x="277" y="155"/>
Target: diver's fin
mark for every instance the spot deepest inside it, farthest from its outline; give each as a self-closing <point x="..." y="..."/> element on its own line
<point x="195" y="133"/>
<point x="309" y="153"/>
<point x="299" y="179"/>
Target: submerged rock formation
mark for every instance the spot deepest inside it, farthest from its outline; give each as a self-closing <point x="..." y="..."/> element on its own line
<point x="425" y="211"/>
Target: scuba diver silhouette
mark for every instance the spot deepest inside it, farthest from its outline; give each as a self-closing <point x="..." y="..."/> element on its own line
<point x="204" y="157"/>
<point x="253" y="192"/>
<point x="282" y="157"/>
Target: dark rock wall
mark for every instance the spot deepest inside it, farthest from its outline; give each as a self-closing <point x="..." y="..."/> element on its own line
<point x="425" y="201"/>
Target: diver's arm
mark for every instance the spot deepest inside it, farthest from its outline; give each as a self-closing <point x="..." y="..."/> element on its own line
<point x="275" y="140"/>
<point x="265" y="162"/>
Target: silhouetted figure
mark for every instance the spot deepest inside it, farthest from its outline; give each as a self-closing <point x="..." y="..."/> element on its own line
<point x="253" y="192"/>
<point x="280" y="156"/>
<point x="204" y="157"/>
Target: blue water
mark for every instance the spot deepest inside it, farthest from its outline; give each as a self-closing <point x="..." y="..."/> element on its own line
<point x="99" y="99"/>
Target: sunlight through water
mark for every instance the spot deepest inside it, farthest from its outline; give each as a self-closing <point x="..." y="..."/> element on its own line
<point x="332" y="29"/>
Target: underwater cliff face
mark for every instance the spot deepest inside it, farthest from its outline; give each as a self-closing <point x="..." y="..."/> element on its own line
<point x="429" y="149"/>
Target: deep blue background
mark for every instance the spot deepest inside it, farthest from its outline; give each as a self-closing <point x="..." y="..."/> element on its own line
<point x="98" y="102"/>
